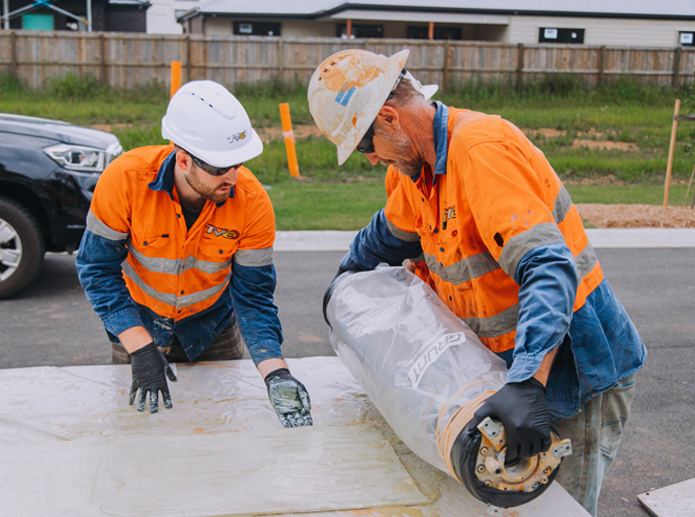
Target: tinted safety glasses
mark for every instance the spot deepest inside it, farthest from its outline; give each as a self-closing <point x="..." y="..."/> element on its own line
<point x="366" y="145"/>
<point x="213" y="171"/>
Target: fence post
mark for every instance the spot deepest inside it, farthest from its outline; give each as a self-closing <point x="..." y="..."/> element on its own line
<point x="366" y="44"/>
<point x="14" y="65"/>
<point x="102" y="63"/>
<point x="445" y="71"/>
<point x="601" y="63"/>
<point x="519" y="65"/>
<point x="281" y="59"/>
<point x="189" y="65"/>
<point x="676" y="67"/>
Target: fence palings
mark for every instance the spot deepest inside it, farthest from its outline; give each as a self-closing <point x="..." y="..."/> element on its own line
<point x="126" y="60"/>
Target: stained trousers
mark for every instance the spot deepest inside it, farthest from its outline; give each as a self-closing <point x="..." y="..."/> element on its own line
<point x="595" y="433"/>
<point x="227" y="346"/>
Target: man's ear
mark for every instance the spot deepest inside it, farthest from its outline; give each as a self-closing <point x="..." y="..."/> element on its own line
<point x="388" y="116"/>
<point x="183" y="160"/>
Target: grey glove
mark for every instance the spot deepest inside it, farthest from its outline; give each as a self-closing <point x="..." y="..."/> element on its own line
<point x="289" y="398"/>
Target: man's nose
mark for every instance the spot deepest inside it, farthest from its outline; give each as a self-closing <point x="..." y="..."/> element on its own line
<point x="373" y="158"/>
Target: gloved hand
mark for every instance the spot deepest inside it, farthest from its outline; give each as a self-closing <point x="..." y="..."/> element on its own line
<point x="149" y="367"/>
<point x="289" y="398"/>
<point x="523" y="410"/>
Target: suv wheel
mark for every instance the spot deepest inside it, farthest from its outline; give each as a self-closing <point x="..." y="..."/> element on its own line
<point x="21" y="248"/>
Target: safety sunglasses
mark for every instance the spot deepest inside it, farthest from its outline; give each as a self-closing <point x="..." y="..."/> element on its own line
<point x="366" y="145"/>
<point x="213" y="171"/>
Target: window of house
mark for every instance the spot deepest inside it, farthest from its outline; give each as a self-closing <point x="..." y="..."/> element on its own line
<point x="257" y="29"/>
<point x="361" y="31"/>
<point x="38" y="22"/>
<point x="423" y="32"/>
<point x="555" y="35"/>
<point x="686" y="39"/>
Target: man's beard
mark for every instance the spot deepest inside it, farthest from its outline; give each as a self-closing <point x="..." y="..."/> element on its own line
<point x="401" y="145"/>
<point x="208" y="193"/>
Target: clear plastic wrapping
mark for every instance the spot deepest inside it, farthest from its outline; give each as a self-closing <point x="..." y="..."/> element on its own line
<point x="409" y="353"/>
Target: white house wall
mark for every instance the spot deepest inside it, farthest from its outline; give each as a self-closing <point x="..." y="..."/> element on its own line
<point x="161" y="16"/>
<point x="307" y="29"/>
<point x="601" y="31"/>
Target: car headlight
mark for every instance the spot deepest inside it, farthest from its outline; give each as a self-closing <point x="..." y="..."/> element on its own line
<point x="83" y="159"/>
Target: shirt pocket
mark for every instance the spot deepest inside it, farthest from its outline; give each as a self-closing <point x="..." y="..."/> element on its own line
<point x="216" y="248"/>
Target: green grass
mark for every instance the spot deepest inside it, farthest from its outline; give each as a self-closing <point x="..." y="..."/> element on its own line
<point x="345" y="197"/>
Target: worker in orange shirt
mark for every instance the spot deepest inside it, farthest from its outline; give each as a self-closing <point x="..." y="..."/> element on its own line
<point x="487" y="222"/>
<point x="177" y="257"/>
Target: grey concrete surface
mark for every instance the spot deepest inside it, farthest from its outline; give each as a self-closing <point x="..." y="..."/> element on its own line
<point x="53" y="324"/>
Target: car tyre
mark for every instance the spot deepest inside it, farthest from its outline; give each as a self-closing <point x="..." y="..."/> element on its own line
<point x="21" y="248"/>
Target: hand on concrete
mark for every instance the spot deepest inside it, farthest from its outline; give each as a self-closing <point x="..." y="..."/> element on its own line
<point x="289" y="398"/>
<point x="523" y="410"/>
<point x="149" y="369"/>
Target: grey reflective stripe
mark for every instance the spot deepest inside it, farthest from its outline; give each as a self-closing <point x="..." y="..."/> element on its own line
<point x="190" y="299"/>
<point x="172" y="299"/>
<point x="497" y="325"/>
<point x="519" y="245"/>
<point x="465" y="269"/>
<point x="419" y="258"/>
<point x="254" y="258"/>
<point x="401" y="234"/>
<point x="586" y="261"/>
<point x="563" y="203"/>
<point x="169" y="299"/>
<point x="178" y="266"/>
<point x="95" y="226"/>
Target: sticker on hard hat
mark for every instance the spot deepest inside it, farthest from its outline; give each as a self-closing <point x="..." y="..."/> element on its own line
<point x="344" y="97"/>
<point x="237" y="137"/>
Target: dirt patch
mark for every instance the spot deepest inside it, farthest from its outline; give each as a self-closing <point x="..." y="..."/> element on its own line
<point x="547" y="132"/>
<point x="636" y="216"/>
<point x="268" y="134"/>
<point x="605" y="145"/>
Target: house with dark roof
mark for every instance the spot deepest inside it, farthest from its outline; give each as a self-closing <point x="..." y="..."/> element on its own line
<point x="667" y="23"/>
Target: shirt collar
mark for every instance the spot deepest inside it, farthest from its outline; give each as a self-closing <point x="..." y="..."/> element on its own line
<point x="441" y="141"/>
<point x="165" y="178"/>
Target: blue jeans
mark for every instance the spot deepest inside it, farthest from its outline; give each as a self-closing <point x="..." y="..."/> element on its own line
<point x="595" y="433"/>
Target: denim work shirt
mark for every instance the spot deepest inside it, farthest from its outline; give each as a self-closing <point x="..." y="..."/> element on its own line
<point x="249" y="293"/>
<point x="597" y="345"/>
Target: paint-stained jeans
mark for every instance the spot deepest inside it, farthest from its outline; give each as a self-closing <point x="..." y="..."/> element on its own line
<point x="595" y="433"/>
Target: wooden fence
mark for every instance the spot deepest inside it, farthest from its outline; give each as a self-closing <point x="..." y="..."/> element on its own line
<point x="127" y="60"/>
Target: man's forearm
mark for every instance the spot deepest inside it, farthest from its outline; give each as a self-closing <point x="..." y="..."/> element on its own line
<point x="269" y="365"/>
<point x="135" y="338"/>
<point x="543" y="372"/>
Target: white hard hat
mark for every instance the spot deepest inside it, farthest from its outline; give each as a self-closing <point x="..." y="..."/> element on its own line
<point x="349" y="88"/>
<point x="205" y="119"/>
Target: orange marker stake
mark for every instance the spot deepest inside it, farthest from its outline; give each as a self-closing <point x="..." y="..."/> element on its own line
<point x="289" y="139"/>
<point x="175" y="77"/>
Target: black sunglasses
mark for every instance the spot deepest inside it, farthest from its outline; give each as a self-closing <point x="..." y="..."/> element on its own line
<point x="366" y="145"/>
<point x="213" y="171"/>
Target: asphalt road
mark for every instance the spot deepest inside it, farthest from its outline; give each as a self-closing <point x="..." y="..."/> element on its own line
<point x="53" y="324"/>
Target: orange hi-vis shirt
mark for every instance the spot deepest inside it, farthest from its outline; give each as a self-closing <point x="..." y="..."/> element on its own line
<point x="498" y="200"/>
<point x="171" y="270"/>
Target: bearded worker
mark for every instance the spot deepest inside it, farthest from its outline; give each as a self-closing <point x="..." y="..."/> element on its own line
<point x="177" y="258"/>
<point x="487" y="222"/>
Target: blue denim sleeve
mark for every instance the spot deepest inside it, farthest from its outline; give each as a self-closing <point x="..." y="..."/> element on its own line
<point x="98" y="264"/>
<point x="375" y="244"/>
<point x="547" y="278"/>
<point x="252" y="291"/>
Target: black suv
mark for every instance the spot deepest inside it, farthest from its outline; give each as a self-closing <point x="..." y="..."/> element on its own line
<point x="48" y="170"/>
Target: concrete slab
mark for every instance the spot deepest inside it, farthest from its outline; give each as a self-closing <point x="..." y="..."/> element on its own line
<point x="599" y="238"/>
<point x="672" y="501"/>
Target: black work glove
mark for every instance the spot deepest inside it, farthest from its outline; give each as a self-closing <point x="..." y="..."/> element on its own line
<point x="329" y="292"/>
<point x="289" y="398"/>
<point x="149" y="367"/>
<point x="523" y="410"/>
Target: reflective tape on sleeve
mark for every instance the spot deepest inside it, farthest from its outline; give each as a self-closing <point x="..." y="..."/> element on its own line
<point x="254" y="258"/>
<point x="519" y="245"/>
<point x="586" y="261"/>
<point x="562" y="205"/>
<point x="401" y="234"/>
<point x="95" y="226"/>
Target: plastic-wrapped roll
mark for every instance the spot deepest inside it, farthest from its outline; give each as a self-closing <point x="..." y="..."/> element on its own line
<point x="427" y="373"/>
